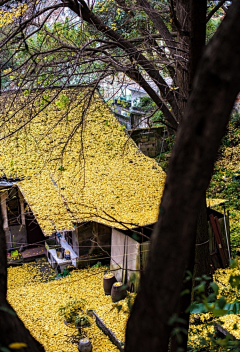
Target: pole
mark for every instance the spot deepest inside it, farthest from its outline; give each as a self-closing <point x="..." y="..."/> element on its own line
<point x="226" y="233"/>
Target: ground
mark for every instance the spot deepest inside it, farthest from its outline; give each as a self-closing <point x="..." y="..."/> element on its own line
<point x="37" y="299"/>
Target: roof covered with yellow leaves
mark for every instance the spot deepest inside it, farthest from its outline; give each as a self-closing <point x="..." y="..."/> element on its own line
<point x="214" y="202"/>
<point x="78" y="163"/>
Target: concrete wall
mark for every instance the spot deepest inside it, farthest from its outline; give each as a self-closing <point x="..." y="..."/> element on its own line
<point x="125" y="259"/>
<point x="149" y="140"/>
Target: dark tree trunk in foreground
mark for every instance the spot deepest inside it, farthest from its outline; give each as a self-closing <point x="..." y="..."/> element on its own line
<point x="191" y="25"/>
<point x="12" y="328"/>
<point x="215" y="88"/>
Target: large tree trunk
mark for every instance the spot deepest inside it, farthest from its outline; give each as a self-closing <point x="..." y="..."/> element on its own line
<point x="12" y="328"/>
<point x="214" y="91"/>
<point x="191" y="17"/>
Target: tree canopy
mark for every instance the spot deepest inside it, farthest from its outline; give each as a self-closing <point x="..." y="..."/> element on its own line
<point x="61" y="43"/>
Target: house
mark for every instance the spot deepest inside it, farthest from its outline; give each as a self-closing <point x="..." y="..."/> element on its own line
<point x="96" y="194"/>
<point x="77" y="191"/>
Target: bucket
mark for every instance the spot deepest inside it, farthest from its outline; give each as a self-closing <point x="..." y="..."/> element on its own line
<point x="67" y="255"/>
<point x="85" y="345"/>
<point x="118" y="291"/>
<point x="108" y="281"/>
<point x="60" y="253"/>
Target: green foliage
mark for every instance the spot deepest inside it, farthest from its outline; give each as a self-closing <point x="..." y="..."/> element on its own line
<point x="64" y="273"/>
<point x="10" y="311"/>
<point x="63" y="102"/>
<point x="225" y="181"/>
<point x="212" y="26"/>
<point x="82" y="320"/>
<point x="4" y="349"/>
<point x="214" y="307"/>
<point x="61" y="168"/>
<point x="235" y="120"/>
<point x="97" y="265"/>
<point x="147" y="105"/>
<point x="72" y="310"/>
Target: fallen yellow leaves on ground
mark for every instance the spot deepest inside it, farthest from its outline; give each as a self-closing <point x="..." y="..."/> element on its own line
<point x="37" y="304"/>
<point x="199" y="334"/>
<point x="37" y="299"/>
<point x="115" y="317"/>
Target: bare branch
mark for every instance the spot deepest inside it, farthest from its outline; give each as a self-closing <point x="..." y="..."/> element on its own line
<point x="214" y="10"/>
<point x="131" y="50"/>
<point x="24" y="24"/>
<point x="160" y="25"/>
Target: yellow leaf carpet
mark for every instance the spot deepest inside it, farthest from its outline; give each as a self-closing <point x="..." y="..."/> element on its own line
<point x="37" y="302"/>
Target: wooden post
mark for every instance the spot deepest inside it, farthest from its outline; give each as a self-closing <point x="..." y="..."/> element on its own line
<point x="218" y="240"/>
<point x="222" y="241"/>
<point x="4" y="196"/>
<point x="21" y="200"/>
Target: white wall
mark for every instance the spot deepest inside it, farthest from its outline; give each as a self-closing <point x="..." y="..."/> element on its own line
<point x="132" y="255"/>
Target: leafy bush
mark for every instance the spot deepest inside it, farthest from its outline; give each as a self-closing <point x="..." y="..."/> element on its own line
<point x="235" y="120"/>
<point x="208" y="312"/>
<point x="82" y="320"/>
<point x="71" y="311"/>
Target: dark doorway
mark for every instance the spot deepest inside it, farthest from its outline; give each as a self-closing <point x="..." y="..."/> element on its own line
<point x="34" y="232"/>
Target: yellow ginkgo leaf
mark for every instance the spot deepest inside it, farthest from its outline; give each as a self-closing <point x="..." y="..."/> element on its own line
<point x="17" y="345"/>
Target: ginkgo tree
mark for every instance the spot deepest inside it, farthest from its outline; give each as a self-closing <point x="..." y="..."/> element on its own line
<point x="151" y="43"/>
<point x="165" y="38"/>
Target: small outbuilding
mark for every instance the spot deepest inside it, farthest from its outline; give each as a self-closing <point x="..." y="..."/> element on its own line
<point x="77" y="179"/>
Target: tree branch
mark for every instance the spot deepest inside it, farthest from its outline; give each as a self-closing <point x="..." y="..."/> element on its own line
<point x="160" y="25"/>
<point x="217" y="7"/>
<point x="24" y="24"/>
<point x="88" y="16"/>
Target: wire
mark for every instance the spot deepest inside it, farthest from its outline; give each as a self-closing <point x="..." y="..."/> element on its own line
<point x="36" y="243"/>
<point x="85" y="277"/>
<point x="95" y="258"/>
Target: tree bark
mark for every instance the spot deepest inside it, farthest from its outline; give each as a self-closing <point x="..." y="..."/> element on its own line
<point x="214" y="92"/>
<point x="12" y="328"/>
<point x="182" y="19"/>
<point x="192" y="33"/>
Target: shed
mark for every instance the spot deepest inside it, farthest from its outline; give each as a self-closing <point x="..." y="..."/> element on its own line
<point x="76" y="189"/>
